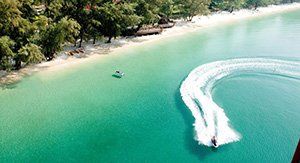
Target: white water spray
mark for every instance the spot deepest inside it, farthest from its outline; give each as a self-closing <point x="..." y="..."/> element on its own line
<point x="196" y="89"/>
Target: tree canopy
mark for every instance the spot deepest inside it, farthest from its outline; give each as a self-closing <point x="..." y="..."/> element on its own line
<point x="35" y="30"/>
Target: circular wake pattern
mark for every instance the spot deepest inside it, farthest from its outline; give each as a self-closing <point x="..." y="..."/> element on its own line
<point x="196" y="92"/>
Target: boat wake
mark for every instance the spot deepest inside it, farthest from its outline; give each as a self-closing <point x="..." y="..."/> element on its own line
<point x="196" y="92"/>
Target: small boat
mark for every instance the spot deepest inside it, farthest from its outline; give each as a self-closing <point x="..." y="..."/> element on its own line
<point x="149" y="31"/>
<point x="214" y="142"/>
<point x="118" y="74"/>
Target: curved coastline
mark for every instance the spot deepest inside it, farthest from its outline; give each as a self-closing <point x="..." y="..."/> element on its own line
<point x="100" y="49"/>
<point x="196" y="92"/>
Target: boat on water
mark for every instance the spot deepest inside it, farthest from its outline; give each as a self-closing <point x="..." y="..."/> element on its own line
<point x="118" y="74"/>
<point x="214" y="142"/>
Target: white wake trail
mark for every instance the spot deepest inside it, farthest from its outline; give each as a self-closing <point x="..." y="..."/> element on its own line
<point x="196" y="92"/>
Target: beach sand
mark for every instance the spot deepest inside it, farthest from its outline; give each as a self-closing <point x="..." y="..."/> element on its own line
<point x="100" y="49"/>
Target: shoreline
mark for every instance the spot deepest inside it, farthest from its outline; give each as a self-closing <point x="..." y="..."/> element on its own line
<point x="100" y="49"/>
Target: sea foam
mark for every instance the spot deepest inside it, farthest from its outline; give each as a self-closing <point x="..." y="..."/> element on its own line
<point x="196" y="92"/>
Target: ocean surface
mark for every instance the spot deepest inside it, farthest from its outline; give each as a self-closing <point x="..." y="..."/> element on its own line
<point x="84" y="114"/>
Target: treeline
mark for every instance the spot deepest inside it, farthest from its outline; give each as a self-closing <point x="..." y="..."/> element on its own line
<point x="35" y="30"/>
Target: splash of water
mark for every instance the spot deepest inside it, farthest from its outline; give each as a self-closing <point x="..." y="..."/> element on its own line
<point x="196" y="92"/>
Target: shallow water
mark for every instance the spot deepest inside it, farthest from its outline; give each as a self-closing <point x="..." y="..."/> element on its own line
<point x="85" y="114"/>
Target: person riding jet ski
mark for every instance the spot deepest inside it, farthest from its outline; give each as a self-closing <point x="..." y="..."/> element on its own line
<point x="214" y="142"/>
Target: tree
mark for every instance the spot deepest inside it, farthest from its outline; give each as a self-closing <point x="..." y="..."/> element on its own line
<point x="10" y="16"/>
<point x="27" y="9"/>
<point x="6" y="52"/>
<point x="12" y="23"/>
<point x="148" y="10"/>
<point x="30" y="53"/>
<point x="17" y="27"/>
<point x="41" y="22"/>
<point x="167" y="8"/>
<point x="56" y="34"/>
<point x="230" y="5"/>
<point x="191" y="8"/>
<point x="81" y="11"/>
<point x="116" y="17"/>
<point x="53" y="9"/>
<point x="257" y="3"/>
<point x="95" y="24"/>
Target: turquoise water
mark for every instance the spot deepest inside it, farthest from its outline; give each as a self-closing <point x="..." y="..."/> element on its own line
<point x="84" y="114"/>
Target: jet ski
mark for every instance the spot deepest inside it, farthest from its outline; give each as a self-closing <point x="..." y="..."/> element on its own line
<point x="214" y="142"/>
<point x="119" y="74"/>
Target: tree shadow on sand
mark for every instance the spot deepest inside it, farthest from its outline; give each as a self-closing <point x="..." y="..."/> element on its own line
<point x="8" y="86"/>
<point x="191" y="144"/>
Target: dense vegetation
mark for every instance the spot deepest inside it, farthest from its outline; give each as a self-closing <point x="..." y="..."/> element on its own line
<point x="35" y="30"/>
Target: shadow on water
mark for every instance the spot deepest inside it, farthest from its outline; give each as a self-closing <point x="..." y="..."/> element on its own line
<point x="116" y="76"/>
<point x="8" y="86"/>
<point x="191" y="144"/>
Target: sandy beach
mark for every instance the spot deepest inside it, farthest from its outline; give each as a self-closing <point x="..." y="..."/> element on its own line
<point x="100" y="49"/>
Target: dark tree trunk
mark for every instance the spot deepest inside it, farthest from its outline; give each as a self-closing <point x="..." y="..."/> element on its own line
<point x="231" y="10"/>
<point x="94" y="39"/>
<point x="109" y="39"/>
<point x="75" y="42"/>
<point x="17" y="65"/>
<point x="49" y="56"/>
<point x="81" y="38"/>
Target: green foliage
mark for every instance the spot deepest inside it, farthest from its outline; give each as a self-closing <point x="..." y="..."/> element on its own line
<point x="10" y="16"/>
<point x="257" y="3"/>
<point x="82" y="12"/>
<point x="69" y="29"/>
<point x="12" y="24"/>
<point x="230" y="5"/>
<point x="6" y="52"/>
<point x="116" y="17"/>
<point x="28" y="37"/>
<point x="53" y="9"/>
<point x="56" y="34"/>
<point x="191" y="8"/>
<point x="41" y="22"/>
<point x="26" y="9"/>
<point x="148" y="10"/>
<point x="30" y="53"/>
<point x="167" y="8"/>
